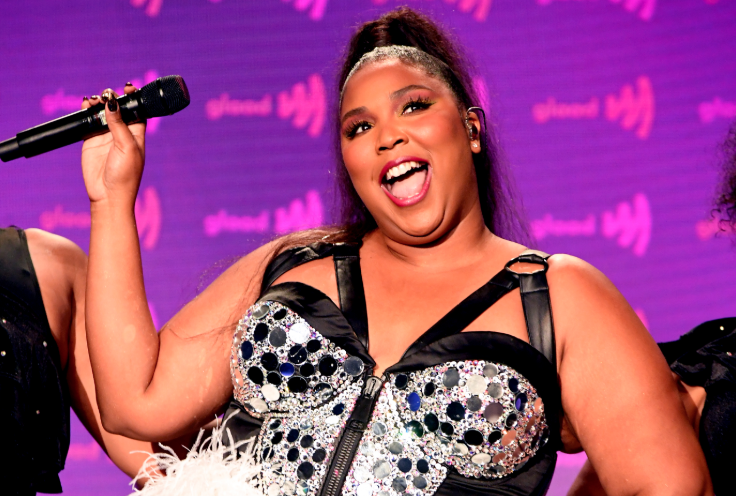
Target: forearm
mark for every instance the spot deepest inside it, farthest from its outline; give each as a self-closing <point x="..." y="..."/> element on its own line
<point x="123" y="342"/>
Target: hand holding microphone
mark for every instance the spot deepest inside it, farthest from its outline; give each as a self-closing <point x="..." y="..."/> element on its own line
<point x="111" y="161"/>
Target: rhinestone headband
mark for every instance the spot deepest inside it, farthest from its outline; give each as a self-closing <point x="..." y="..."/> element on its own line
<point x="409" y="54"/>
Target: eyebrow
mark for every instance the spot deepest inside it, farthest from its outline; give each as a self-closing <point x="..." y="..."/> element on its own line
<point x="393" y="96"/>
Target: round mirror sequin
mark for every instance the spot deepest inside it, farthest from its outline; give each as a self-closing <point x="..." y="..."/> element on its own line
<point x="305" y="471"/>
<point x="520" y="402"/>
<point x="306" y="370"/>
<point x="327" y="365"/>
<point x="379" y="429"/>
<point x="246" y="350"/>
<point x="270" y="361"/>
<point x="396" y="447"/>
<point x="495" y="390"/>
<point x="451" y="377"/>
<point x="476" y="384"/>
<point x="297" y="384"/>
<point x="319" y="455"/>
<point x="270" y="392"/>
<point x="287" y="369"/>
<point x="401" y="380"/>
<point x="490" y="370"/>
<point x="455" y="411"/>
<point x="431" y="422"/>
<point x="414" y="429"/>
<point x="297" y="354"/>
<point x="255" y="375"/>
<point x="414" y="400"/>
<point x="277" y="337"/>
<point x="260" y="311"/>
<point x="299" y="333"/>
<point x="399" y="484"/>
<point x="313" y="346"/>
<point x="381" y="469"/>
<point x="279" y="314"/>
<point x="260" y="332"/>
<point x="323" y="390"/>
<point x="293" y="435"/>
<point x="429" y="389"/>
<point x="493" y="412"/>
<point x="274" y="378"/>
<point x="353" y="366"/>
<point x="404" y="464"/>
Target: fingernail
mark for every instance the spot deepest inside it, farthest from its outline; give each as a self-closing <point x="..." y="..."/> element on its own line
<point x="128" y="84"/>
<point x="85" y="99"/>
<point x="94" y="97"/>
<point x="105" y="97"/>
<point x="112" y="105"/>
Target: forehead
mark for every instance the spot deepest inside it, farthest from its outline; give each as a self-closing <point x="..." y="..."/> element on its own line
<point x="378" y="79"/>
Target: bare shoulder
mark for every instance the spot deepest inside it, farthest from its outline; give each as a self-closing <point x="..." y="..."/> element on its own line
<point x="51" y="249"/>
<point x="586" y="304"/>
<point x="573" y="279"/>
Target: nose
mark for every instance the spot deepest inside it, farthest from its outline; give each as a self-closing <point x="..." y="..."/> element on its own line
<point x="389" y="137"/>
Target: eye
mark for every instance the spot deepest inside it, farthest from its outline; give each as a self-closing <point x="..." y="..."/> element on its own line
<point x="357" y="128"/>
<point x="415" y="104"/>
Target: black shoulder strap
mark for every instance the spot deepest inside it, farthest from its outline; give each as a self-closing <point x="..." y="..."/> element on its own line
<point x="350" y="289"/>
<point x="536" y="302"/>
<point x="472" y="307"/>
<point x="347" y="271"/>
<point x="17" y="275"/>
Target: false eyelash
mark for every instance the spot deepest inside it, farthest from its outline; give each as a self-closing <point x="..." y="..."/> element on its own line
<point x="420" y="101"/>
<point x="351" y="131"/>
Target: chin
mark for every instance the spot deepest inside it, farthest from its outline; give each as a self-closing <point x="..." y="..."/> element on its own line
<point x="420" y="229"/>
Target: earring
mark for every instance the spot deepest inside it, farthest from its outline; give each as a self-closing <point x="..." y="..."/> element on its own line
<point x="475" y="145"/>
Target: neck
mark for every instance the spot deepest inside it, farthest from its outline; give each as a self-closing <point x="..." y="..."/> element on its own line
<point x="461" y="246"/>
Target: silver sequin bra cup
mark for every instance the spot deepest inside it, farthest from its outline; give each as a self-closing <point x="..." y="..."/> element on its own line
<point x="482" y="418"/>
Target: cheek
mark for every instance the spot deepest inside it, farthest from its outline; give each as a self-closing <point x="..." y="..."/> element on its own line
<point x="357" y="162"/>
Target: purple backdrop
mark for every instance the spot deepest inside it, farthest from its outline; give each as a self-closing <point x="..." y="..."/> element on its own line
<point x="610" y="113"/>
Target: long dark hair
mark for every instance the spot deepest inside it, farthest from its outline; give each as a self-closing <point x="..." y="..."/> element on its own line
<point x="501" y="209"/>
<point x="726" y="200"/>
<point x="498" y="197"/>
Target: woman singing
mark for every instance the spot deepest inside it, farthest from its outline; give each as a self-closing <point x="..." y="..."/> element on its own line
<point x="410" y="350"/>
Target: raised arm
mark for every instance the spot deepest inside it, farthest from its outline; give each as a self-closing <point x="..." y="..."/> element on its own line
<point x="61" y="268"/>
<point x="619" y="399"/>
<point x="150" y="385"/>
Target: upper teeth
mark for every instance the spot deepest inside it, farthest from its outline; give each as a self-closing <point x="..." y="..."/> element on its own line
<point x="401" y="169"/>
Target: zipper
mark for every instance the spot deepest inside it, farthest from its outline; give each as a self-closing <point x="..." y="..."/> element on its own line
<point x="350" y="440"/>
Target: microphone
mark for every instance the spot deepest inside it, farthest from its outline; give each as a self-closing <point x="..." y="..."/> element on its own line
<point x="164" y="96"/>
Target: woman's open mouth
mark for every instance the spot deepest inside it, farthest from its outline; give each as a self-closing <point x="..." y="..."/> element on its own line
<point x="407" y="183"/>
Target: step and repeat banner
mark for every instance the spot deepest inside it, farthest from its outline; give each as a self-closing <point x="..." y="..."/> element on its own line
<point x="610" y="113"/>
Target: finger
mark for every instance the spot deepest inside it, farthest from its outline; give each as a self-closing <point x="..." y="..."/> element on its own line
<point x="119" y="130"/>
<point x="129" y="88"/>
<point x="85" y="103"/>
<point x="108" y="94"/>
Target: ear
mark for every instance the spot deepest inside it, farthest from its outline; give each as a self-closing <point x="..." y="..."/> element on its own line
<point x="473" y="124"/>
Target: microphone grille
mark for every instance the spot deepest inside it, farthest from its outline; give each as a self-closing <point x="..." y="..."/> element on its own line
<point x="165" y="96"/>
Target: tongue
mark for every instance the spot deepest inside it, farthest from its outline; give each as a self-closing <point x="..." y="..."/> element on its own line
<point x="409" y="186"/>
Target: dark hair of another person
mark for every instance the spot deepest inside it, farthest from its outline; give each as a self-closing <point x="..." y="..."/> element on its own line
<point x="726" y="201"/>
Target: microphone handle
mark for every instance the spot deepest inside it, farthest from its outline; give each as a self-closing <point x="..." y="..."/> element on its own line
<point x="70" y="129"/>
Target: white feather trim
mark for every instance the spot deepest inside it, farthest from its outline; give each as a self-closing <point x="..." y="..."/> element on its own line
<point x="209" y="469"/>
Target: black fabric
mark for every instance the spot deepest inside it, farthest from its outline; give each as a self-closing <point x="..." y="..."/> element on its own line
<point x="537" y="305"/>
<point x="441" y="343"/>
<point x="350" y="289"/>
<point x="34" y="400"/>
<point x="704" y="357"/>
